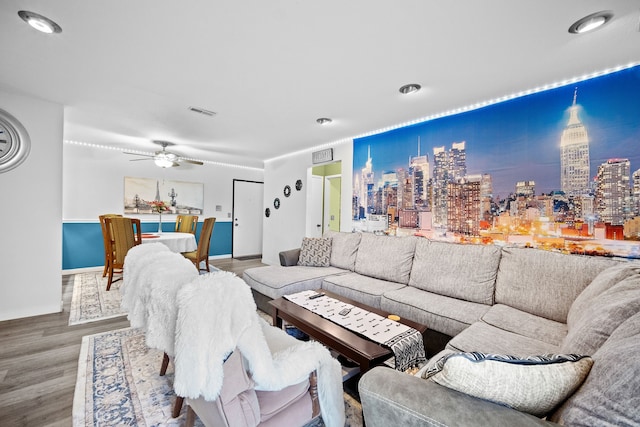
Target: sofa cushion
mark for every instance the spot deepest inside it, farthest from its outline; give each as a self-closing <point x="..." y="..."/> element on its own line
<point x="469" y="272"/>
<point x="444" y="314"/>
<point x="275" y="281"/>
<point x="513" y="320"/>
<point x="385" y="257"/>
<point x="344" y="248"/>
<point x="366" y="290"/>
<point x="535" y="384"/>
<point x="489" y="339"/>
<point x="315" y="252"/>
<point x="611" y="393"/>
<point x="601" y="283"/>
<point x="608" y="311"/>
<point x="544" y="283"/>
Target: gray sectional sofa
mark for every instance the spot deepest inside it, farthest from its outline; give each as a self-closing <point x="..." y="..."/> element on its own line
<point x="490" y="299"/>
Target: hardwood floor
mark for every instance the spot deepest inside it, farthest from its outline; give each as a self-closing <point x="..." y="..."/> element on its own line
<point x="39" y="359"/>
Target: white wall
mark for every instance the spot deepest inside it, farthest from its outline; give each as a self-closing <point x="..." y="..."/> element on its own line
<point x="285" y="228"/>
<point x="31" y="242"/>
<point x="93" y="183"/>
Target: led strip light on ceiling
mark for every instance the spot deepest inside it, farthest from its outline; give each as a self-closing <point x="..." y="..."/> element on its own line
<point x="470" y="107"/>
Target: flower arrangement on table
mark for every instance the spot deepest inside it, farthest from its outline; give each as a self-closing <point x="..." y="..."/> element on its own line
<point x="158" y="206"/>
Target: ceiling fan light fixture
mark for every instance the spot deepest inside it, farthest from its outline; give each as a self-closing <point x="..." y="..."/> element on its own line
<point x="39" y="22"/>
<point x="591" y="22"/>
<point x="162" y="161"/>
<point x="409" y="88"/>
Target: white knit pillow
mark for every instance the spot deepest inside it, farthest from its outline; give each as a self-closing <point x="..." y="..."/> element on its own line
<point x="535" y="384"/>
<point x="315" y="252"/>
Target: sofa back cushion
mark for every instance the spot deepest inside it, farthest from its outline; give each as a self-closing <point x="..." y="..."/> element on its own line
<point x="607" y="278"/>
<point x="611" y="393"/>
<point x="466" y="272"/>
<point x="344" y="247"/>
<point x="544" y="283"/>
<point x="608" y="311"/>
<point x="385" y="257"/>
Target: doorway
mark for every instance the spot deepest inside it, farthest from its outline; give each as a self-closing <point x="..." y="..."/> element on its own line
<point x="324" y="195"/>
<point x="246" y="231"/>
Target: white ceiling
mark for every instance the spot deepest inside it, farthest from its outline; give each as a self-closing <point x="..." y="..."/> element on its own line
<point x="127" y="70"/>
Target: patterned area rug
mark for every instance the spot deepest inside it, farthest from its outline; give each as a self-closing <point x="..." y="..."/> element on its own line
<point x="118" y="384"/>
<point x="91" y="301"/>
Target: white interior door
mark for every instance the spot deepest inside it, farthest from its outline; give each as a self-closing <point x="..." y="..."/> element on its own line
<point x="314" y="205"/>
<point x="247" y="218"/>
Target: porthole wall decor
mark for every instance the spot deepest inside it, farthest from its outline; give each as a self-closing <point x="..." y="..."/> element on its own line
<point x="299" y="185"/>
<point x="287" y="191"/>
<point x="276" y="203"/>
<point x="267" y="212"/>
<point x="14" y="142"/>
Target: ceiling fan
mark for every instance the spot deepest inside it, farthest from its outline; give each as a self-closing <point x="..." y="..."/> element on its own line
<point x="164" y="158"/>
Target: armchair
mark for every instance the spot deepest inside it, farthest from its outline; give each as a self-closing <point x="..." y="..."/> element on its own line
<point x="216" y="347"/>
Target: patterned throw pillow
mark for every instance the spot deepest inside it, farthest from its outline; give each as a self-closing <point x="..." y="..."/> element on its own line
<point x="315" y="252"/>
<point x="535" y="384"/>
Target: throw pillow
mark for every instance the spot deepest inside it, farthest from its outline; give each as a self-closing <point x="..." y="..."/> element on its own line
<point x="315" y="252"/>
<point x="535" y="384"/>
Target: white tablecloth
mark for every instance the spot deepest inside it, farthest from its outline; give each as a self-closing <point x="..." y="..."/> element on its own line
<point x="177" y="242"/>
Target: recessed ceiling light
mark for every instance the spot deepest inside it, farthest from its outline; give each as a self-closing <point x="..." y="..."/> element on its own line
<point x="39" y="22"/>
<point x="324" y="120"/>
<point x="591" y="22"/>
<point x="410" y="88"/>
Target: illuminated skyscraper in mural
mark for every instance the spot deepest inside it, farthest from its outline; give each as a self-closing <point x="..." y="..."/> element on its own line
<point x="613" y="193"/>
<point x="419" y="171"/>
<point x="448" y="166"/>
<point x="366" y="184"/>
<point x="635" y="196"/>
<point x="574" y="154"/>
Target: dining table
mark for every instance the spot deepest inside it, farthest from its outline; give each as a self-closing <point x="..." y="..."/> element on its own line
<point x="175" y="241"/>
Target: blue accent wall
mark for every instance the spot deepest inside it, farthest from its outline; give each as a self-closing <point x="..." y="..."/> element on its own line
<point x="82" y="242"/>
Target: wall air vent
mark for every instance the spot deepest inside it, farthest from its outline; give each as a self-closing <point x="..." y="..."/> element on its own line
<point x="202" y="111"/>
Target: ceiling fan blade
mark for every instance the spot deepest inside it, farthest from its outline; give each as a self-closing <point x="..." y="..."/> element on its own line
<point x="193" y="162"/>
<point x="137" y="154"/>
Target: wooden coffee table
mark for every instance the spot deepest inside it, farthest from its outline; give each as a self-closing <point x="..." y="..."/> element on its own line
<point x="364" y="352"/>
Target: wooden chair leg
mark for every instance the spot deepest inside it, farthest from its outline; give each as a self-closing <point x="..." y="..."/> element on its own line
<point x="313" y="392"/>
<point x="191" y="417"/>
<point x="177" y="406"/>
<point x="110" y="278"/>
<point x="165" y="364"/>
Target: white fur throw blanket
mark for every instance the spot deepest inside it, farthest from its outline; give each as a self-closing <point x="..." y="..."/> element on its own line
<point x="217" y="314"/>
<point x="151" y="292"/>
<point x="136" y="260"/>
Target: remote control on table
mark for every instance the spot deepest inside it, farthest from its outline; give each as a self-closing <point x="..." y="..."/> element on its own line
<point x="344" y="311"/>
<point x="316" y="296"/>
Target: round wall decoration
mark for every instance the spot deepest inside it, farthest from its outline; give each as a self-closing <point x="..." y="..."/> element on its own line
<point x="14" y="142"/>
<point x="287" y="191"/>
<point x="276" y="203"/>
<point x="299" y="185"/>
<point x="267" y="212"/>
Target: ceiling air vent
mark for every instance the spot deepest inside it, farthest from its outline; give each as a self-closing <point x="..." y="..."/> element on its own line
<point x="202" y="111"/>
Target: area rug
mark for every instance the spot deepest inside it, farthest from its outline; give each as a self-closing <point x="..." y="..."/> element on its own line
<point x="91" y="301"/>
<point x="118" y="384"/>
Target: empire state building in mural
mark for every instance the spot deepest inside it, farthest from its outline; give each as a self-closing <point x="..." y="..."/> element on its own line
<point x="574" y="154"/>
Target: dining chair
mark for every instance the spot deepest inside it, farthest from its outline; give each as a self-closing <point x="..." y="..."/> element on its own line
<point x="186" y="224"/>
<point x="202" y="252"/>
<point x="124" y="233"/>
<point x="105" y="240"/>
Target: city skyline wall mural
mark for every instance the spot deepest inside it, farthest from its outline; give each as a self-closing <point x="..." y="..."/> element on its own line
<point x="558" y="169"/>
